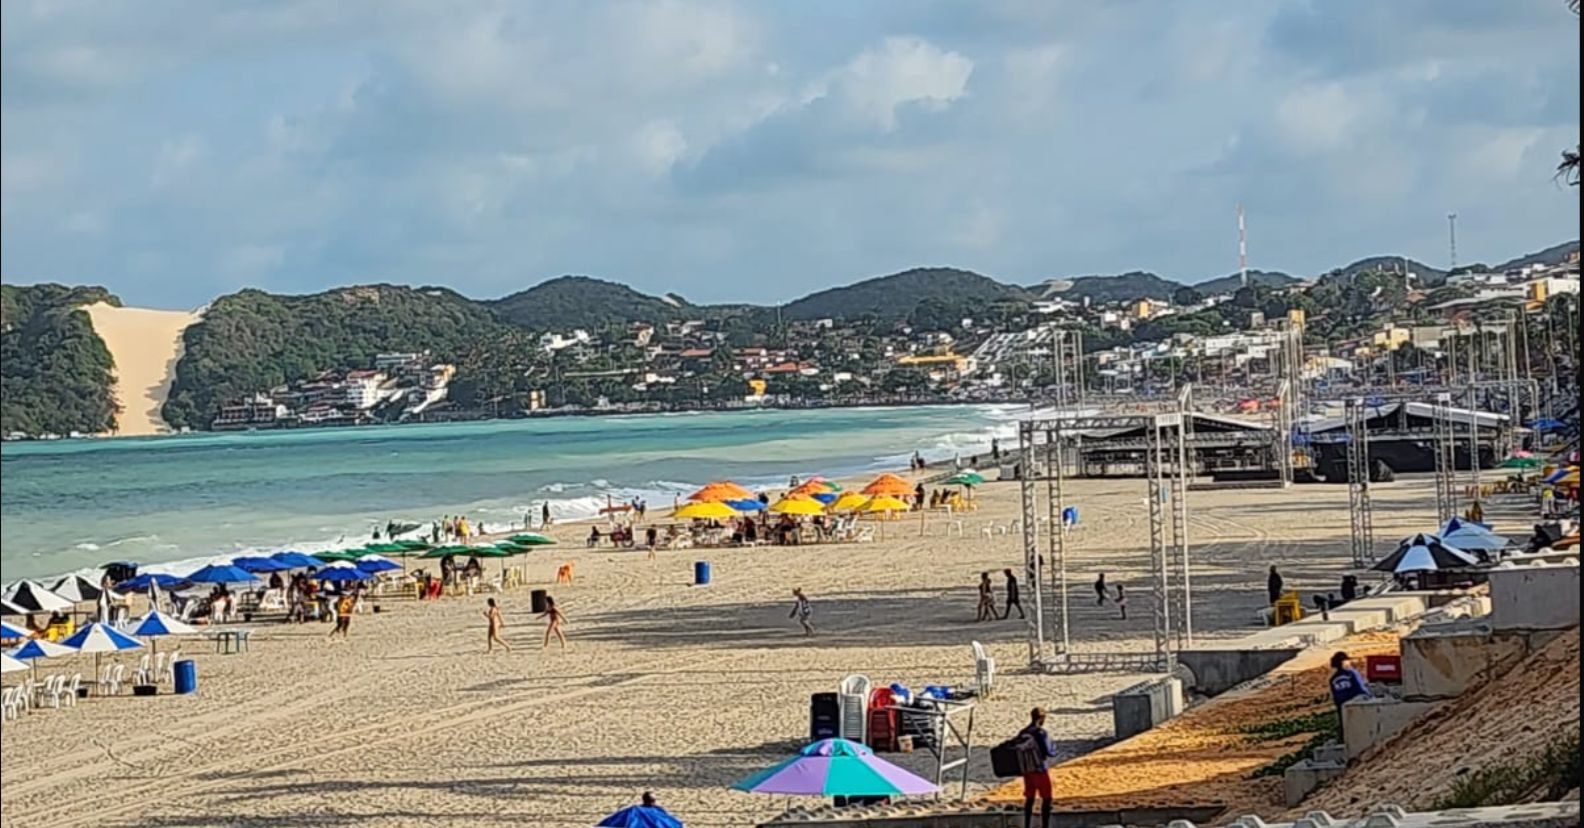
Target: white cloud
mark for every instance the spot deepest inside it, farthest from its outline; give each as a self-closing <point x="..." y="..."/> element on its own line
<point x="1321" y="118"/>
<point x="900" y="71"/>
<point x="658" y="145"/>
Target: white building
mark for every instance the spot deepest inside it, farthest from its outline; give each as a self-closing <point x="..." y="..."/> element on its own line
<point x="363" y="389"/>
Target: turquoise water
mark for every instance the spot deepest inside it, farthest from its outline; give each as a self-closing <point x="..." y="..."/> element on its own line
<point x="74" y="505"/>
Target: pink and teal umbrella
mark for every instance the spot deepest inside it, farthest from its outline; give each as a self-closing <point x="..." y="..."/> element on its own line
<point x="836" y="767"/>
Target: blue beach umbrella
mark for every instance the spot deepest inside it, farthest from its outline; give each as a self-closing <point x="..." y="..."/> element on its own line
<point x="147" y="579"/>
<point x="258" y="565"/>
<point x="826" y="498"/>
<point x="9" y="631"/>
<point x="222" y="574"/>
<point x="99" y="638"/>
<point x="374" y="564"/>
<point x="640" y="816"/>
<point x="38" y="648"/>
<point x="297" y="560"/>
<point x="746" y="505"/>
<point x="342" y="574"/>
<point x="156" y="624"/>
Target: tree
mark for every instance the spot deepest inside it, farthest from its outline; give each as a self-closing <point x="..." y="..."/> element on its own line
<point x="1185" y="296"/>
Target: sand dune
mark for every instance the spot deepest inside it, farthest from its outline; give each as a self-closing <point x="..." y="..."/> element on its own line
<point x="146" y="345"/>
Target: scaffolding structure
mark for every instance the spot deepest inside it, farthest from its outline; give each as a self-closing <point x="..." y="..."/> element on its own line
<point x="1067" y="360"/>
<point x="1046" y="444"/>
<point x="1361" y="519"/>
<point x="1445" y="461"/>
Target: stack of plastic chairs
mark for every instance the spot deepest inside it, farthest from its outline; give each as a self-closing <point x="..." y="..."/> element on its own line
<point x="853" y="706"/>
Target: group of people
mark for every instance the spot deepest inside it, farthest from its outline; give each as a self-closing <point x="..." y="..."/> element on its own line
<point x="987" y="602"/>
<point x="458" y="529"/>
<point x="495" y="622"/>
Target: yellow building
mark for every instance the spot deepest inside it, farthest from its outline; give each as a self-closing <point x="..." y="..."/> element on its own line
<point x="1392" y="338"/>
<point x="756" y="387"/>
<point x="1296" y="317"/>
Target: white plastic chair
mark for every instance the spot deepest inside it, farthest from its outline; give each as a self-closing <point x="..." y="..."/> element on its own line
<point x="68" y="692"/>
<point x="852" y="704"/>
<point x="168" y="672"/>
<point x="10" y="703"/>
<point x="984" y="670"/>
<point x="143" y="672"/>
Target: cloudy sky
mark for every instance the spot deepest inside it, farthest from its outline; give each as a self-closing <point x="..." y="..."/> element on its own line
<point x="756" y="151"/>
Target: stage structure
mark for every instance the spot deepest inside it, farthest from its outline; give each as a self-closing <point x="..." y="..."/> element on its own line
<point x="1048" y="445"/>
<point x="1361" y="520"/>
<point x="1067" y="359"/>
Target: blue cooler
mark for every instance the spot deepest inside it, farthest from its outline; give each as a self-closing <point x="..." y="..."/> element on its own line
<point x="186" y="676"/>
<point x="701" y="573"/>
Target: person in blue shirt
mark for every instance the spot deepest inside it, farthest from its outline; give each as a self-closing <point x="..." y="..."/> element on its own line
<point x="1037" y="782"/>
<point x="1346" y="685"/>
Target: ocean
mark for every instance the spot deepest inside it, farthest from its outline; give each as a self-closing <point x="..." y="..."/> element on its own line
<point x="174" y="503"/>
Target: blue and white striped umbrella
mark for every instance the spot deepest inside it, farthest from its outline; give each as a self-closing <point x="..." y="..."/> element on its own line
<point x="9" y="631"/>
<point x="101" y="638"/>
<point x="158" y="623"/>
<point x="1424" y="553"/>
<point x="10" y="665"/>
<point x="40" y="648"/>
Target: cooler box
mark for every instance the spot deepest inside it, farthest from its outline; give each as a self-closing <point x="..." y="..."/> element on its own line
<point x="824" y="716"/>
<point x="186" y="672"/>
<point x="1383" y="669"/>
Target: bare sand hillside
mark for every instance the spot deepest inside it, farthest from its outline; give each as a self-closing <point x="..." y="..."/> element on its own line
<point x="146" y="345"/>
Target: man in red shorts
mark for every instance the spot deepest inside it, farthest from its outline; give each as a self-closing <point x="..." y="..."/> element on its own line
<point x="1037" y="782"/>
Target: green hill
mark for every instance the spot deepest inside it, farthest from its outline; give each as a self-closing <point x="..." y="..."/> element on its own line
<point x="1554" y="255"/>
<point x="56" y="374"/>
<point x="1123" y="287"/>
<point x="1230" y="283"/>
<point x="895" y="297"/>
<point x="583" y="302"/>
<point x="252" y="340"/>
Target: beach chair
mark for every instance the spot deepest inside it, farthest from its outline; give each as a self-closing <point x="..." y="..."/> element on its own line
<point x="11" y="702"/>
<point x="852" y="705"/>
<point x="143" y="672"/>
<point x="68" y="691"/>
<point x="865" y="535"/>
<point x="984" y="671"/>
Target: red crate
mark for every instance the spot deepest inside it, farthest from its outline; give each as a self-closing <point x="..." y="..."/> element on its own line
<point x="1386" y="669"/>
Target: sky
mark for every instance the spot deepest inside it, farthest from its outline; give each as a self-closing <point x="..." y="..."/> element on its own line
<point x="757" y="151"/>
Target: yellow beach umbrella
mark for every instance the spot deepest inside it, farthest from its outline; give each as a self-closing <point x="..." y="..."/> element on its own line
<point x="885" y="503"/>
<point x="705" y="510"/>
<point x="850" y="501"/>
<point x="797" y="506"/>
<point x="1569" y="479"/>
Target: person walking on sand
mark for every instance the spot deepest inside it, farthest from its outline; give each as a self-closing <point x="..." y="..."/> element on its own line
<point x="1037" y="782"/>
<point x="987" y="610"/>
<point x="557" y="622"/>
<point x="1273" y="585"/>
<point x="1121" y="601"/>
<point x="1012" y="597"/>
<point x="492" y="616"/>
<point x="544" y="515"/>
<point x="802" y="610"/>
<point x="344" y="606"/>
<point x="1100" y="590"/>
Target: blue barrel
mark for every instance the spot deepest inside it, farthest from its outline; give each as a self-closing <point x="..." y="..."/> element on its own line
<point x="1070" y="516"/>
<point x="186" y="676"/>
<point x="701" y="573"/>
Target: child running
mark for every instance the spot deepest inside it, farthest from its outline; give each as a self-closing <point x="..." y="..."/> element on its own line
<point x="344" y="607"/>
<point x="496" y="624"/>
<point x="802" y="611"/>
<point x="557" y="622"/>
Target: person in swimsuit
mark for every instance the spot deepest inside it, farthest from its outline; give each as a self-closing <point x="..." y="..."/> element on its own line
<point x="557" y="622"/>
<point x="496" y="623"/>
<point x="1121" y="601"/>
<point x="987" y="610"/>
<point x="344" y="607"/>
<point x="802" y="610"/>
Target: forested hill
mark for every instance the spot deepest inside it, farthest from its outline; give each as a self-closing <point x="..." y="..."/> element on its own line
<point x="56" y="375"/>
<point x="896" y="296"/>
<point x="252" y="341"/>
<point x="583" y="302"/>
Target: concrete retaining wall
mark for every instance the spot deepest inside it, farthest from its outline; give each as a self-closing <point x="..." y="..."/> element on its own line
<point x="1534" y="597"/>
<point x="1368" y="722"/>
<point x="1219" y="670"/>
<point x="1145" y="705"/>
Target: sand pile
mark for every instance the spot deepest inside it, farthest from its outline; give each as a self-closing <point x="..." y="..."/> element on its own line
<point x="1501" y="724"/>
<point x="146" y="345"/>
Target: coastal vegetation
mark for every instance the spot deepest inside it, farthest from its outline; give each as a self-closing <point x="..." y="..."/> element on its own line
<point x="56" y="374"/>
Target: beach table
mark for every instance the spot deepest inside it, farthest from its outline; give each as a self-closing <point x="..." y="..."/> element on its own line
<point x="230" y="641"/>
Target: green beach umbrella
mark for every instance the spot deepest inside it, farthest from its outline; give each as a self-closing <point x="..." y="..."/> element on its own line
<point x="442" y="551"/>
<point x="1521" y="463"/>
<point x="965" y="479"/>
<point x="388" y="549"/>
<point x="532" y="539"/>
<point x="414" y="545"/>
<point x="331" y="556"/>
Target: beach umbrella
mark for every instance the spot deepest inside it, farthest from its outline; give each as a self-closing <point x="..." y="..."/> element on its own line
<point x="966" y="478"/>
<point x="8" y="608"/>
<point x="1558" y="475"/>
<point x="640" y="816"/>
<point x="9" y="631"/>
<point x="1520" y="463"/>
<point x="31" y="596"/>
<point x="148" y="579"/>
<point x="259" y="566"/>
<point x="885" y="504"/>
<point x="156" y="623"/>
<point x="38" y="648"/>
<point x="338" y="555"/>
<point x="720" y="490"/>
<point x="99" y="638"/>
<point x="10" y="665"/>
<point x="389" y="549"/>
<point x="836" y="767"/>
<point x="222" y="574"/>
<point x="341" y="573"/>
<point x="296" y="560"/>
<point x="797" y="506"/>
<point x="746" y="505"/>
<point x="1571" y="478"/>
<point x="850" y="501"/>
<point x="1470" y="536"/>
<point x="532" y="539"/>
<point x="442" y="551"/>
<point x="1547" y="424"/>
<point x="374" y="564"/>
<point x="705" y="510"/>
<point x="77" y="589"/>
<point x="889" y="484"/>
<point x="825" y="498"/>
<point x="1423" y="553"/>
<point x="815" y="486"/>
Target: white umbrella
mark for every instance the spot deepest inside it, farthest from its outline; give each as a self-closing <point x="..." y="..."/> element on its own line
<point x="77" y="589"/>
<point x="156" y="624"/>
<point x="10" y="665"/>
<point x="8" y="608"/>
<point x="33" y="597"/>
<point x="100" y="638"/>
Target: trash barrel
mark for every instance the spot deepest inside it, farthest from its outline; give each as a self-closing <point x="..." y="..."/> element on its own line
<point x="186" y="676"/>
<point x="1070" y="516"/>
<point x="536" y="601"/>
<point x="701" y="573"/>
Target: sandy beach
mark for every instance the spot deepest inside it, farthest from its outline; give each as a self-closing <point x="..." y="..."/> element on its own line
<point x="665" y="686"/>
<point x="146" y="345"/>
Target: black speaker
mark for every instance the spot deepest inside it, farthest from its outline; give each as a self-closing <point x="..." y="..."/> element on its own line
<point x="824" y="716"/>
